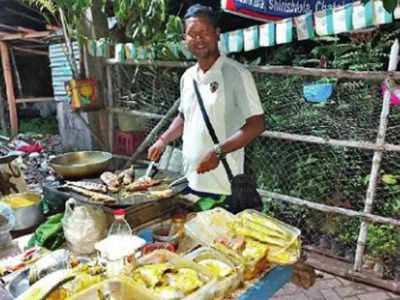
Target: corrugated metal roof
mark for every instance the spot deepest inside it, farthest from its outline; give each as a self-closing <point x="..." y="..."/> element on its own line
<point x="61" y="69"/>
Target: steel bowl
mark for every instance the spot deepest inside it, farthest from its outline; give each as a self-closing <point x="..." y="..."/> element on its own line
<point x="80" y="164"/>
<point x="26" y="216"/>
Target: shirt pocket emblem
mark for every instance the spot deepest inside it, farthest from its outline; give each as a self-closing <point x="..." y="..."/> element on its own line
<point x="213" y="86"/>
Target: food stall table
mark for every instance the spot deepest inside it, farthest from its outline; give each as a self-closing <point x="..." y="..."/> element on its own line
<point x="269" y="284"/>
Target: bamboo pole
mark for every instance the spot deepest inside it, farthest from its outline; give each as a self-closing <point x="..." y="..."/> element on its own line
<point x="5" y="59"/>
<point x="110" y="105"/>
<point x="30" y="51"/>
<point x="34" y="100"/>
<point x="157" y="63"/>
<point x="342" y="269"/>
<point x="23" y="35"/>
<point x="282" y="70"/>
<point x="328" y="141"/>
<point x="376" y="163"/>
<point x="172" y="111"/>
<point x="330" y="209"/>
<point x="138" y="113"/>
<point x="70" y="51"/>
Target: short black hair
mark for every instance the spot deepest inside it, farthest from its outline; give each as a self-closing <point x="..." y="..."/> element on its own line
<point x="197" y="10"/>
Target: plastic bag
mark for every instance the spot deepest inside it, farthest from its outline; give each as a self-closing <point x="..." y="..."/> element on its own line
<point x="49" y="235"/>
<point x="7" y="221"/>
<point x="83" y="225"/>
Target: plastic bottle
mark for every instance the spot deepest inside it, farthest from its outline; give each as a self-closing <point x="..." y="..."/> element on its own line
<point x="120" y="226"/>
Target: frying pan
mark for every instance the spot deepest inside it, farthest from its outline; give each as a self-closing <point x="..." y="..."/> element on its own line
<point x="81" y="164"/>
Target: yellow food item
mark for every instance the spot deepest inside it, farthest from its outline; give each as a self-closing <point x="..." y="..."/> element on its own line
<point x="287" y="256"/>
<point x="254" y="251"/>
<point x="21" y="200"/>
<point x="187" y="280"/>
<point x="269" y="223"/>
<point x="151" y="274"/>
<point x="249" y="229"/>
<point x="58" y="294"/>
<point x="217" y="267"/>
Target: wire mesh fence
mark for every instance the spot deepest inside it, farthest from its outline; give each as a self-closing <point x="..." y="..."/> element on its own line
<point x="332" y="175"/>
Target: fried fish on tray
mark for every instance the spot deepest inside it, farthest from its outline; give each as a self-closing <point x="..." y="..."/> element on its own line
<point x="111" y="180"/>
<point x="97" y="197"/>
<point x="127" y="176"/>
<point x="91" y="186"/>
<point x="143" y="184"/>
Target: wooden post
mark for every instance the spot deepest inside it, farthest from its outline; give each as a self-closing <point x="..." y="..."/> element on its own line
<point x="3" y="123"/>
<point x="5" y="59"/>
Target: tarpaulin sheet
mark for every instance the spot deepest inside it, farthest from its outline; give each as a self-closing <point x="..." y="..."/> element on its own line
<point x="272" y="10"/>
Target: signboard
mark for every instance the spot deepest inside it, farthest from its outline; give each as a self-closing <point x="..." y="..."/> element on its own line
<point x="277" y="9"/>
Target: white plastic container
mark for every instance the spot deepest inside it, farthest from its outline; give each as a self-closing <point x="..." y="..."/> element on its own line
<point x="210" y="225"/>
<point x="224" y="286"/>
<point x="206" y="292"/>
<point x="120" y="288"/>
<point x="118" y="251"/>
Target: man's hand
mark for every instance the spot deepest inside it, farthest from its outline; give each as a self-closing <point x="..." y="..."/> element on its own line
<point x="156" y="150"/>
<point x="208" y="162"/>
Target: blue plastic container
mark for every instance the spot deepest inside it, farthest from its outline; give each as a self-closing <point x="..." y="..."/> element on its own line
<point x="317" y="92"/>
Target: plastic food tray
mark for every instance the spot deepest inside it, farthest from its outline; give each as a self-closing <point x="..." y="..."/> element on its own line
<point x="203" y="293"/>
<point x="226" y="285"/>
<point x="209" y="225"/>
<point x="116" y="288"/>
<point x="290" y="253"/>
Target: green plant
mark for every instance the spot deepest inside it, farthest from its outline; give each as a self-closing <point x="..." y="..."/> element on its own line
<point x="383" y="241"/>
<point x="73" y="10"/>
<point x="39" y="125"/>
<point x="143" y="20"/>
<point x="327" y="80"/>
<point x="347" y="229"/>
<point x="391" y="185"/>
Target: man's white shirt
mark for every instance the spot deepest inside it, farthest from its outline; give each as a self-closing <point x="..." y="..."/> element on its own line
<point x="230" y="97"/>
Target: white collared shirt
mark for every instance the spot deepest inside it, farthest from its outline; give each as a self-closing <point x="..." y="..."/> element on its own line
<point x="230" y="97"/>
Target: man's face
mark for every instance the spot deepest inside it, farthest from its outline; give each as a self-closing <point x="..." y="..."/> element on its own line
<point x="201" y="37"/>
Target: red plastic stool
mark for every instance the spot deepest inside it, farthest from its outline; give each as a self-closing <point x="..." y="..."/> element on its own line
<point x="126" y="142"/>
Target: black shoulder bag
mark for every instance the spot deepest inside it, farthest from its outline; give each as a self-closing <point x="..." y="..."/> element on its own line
<point x="244" y="189"/>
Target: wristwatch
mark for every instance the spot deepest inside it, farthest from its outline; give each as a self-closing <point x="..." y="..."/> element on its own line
<point x="218" y="151"/>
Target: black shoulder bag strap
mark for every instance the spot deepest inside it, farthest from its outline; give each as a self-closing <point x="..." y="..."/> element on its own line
<point x="211" y="129"/>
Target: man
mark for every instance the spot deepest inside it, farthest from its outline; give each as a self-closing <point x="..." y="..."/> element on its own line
<point x="232" y="104"/>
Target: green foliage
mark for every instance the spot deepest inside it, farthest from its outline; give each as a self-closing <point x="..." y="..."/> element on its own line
<point x="143" y="20"/>
<point x="39" y="125"/>
<point x="383" y="240"/>
<point x="347" y="229"/>
<point x="73" y="10"/>
<point x="391" y="184"/>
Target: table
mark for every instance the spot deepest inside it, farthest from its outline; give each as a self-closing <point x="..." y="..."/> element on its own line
<point x="262" y="288"/>
<point x="259" y="289"/>
<point x="268" y="284"/>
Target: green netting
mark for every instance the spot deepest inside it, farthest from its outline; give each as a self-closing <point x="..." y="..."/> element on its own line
<point x="332" y="175"/>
